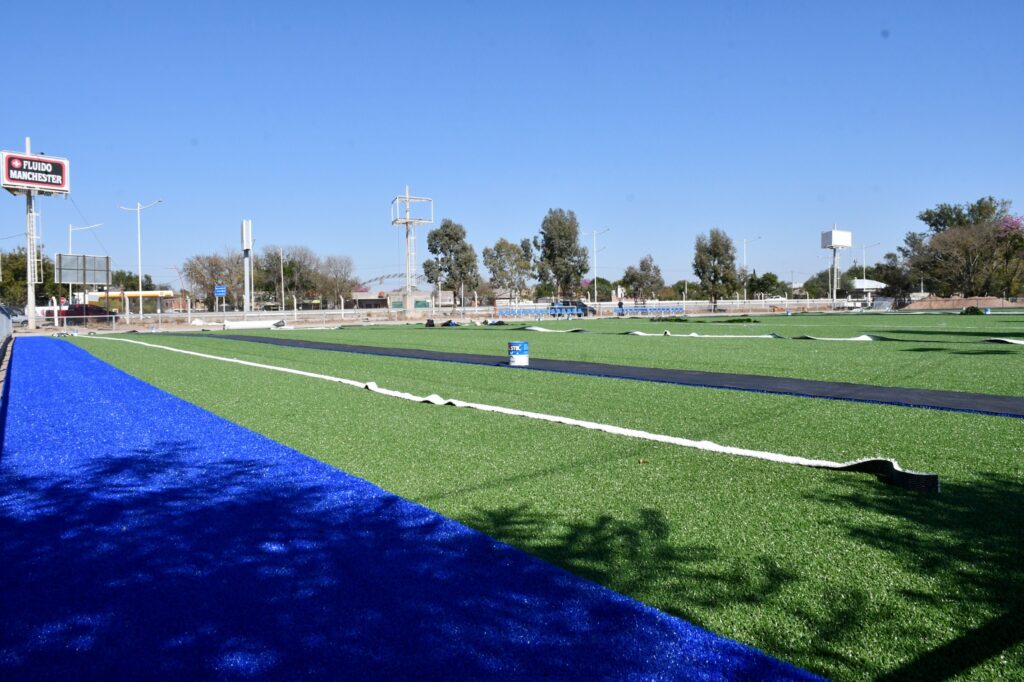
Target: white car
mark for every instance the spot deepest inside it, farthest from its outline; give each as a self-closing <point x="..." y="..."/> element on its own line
<point x="17" y="315"/>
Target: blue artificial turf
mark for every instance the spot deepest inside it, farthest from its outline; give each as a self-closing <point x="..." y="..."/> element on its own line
<point x="142" y="537"/>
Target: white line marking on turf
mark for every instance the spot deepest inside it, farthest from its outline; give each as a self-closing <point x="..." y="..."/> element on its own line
<point x="706" y="445"/>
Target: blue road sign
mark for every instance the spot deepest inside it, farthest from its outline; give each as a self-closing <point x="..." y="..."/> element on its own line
<point x="220" y="291"/>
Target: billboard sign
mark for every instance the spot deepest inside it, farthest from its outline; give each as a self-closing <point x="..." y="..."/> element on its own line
<point x="81" y="269"/>
<point x="43" y="174"/>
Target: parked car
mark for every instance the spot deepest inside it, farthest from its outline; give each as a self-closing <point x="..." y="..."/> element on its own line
<point x="584" y="308"/>
<point x="84" y="313"/>
<point x="17" y="315"/>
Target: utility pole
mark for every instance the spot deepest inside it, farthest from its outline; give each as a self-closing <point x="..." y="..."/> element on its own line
<point x="281" y="263"/>
<point x="596" y="235"/>
<point x="864" y="260"/>
<point x="139" y="208"/>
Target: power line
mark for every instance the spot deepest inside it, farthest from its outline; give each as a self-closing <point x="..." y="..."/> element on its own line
<point x="95" y="236"/>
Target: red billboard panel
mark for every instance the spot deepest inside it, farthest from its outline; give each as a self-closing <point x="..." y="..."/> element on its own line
<point x="43" y="174"/>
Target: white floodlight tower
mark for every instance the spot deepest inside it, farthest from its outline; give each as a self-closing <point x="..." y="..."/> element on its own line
<point x="835" y="240"/>
<point x="397" y="218"/>
<point x="247" y="265"/>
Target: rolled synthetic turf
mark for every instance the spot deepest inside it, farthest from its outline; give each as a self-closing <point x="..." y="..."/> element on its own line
<point x="143" y="537"/>
<point x="954" y="401"/>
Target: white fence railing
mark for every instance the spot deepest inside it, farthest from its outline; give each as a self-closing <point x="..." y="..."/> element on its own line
<point x="522" y="311"/>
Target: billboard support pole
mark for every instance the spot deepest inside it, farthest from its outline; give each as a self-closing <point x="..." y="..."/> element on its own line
<point x="30" y="250"/>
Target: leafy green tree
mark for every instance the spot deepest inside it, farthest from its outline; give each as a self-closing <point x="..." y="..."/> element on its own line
<point x="684" y="289"/>
<point x="13" y="284"/>
<point x="645" y="280"/>
<point x="894" y="274"/>
<point x="126" y="280"/>
<point x="948" y="216"/>
<point x="604" y="288"/>
<point x="454" y="263"/>
<point x="561" y="260"/>
<point x="817" y="285"/>
<point x="510" y="265"/>
<point x="714" y="262"/>
<point x="767" y="284"/>
<point x="965" y="251"/>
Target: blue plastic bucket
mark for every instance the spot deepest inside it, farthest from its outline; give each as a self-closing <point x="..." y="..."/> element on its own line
<point x="518" y="353"/>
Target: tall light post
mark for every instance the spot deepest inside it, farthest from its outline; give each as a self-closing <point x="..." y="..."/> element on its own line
<point x="745" y="278"/>
<point x="72" y="228"/>
<point x="596" y="235"/>
<point x="745" y="242"/>
<point x="139" y="208"/>
<point x="864" y="260"/>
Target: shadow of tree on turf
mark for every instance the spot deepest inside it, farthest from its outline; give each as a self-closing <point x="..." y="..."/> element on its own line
<point x="638" y="557"/>
<point x="970" y="540"/>
<point x="175" y="563"/>
<point x="958" y="332"/>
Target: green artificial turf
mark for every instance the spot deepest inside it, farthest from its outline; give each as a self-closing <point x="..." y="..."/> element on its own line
<point x="835" y="572"/>
<point x="946" y="352"/>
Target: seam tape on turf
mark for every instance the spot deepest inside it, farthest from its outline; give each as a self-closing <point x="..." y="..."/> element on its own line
<point x="886" y="469"/>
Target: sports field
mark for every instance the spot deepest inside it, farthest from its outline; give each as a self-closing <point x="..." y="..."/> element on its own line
<point x="834" y="572"/>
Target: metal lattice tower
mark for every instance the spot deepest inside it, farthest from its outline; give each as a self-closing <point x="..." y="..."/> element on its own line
<point x="35" y="269"/>
<point x="400" y="217"/>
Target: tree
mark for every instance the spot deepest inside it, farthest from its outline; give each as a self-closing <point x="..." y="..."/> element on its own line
<point x="561" y="260"/>
<point x="684" y="289"/>
<point x="604" y="288"/>
<point x="126" y="280"/>
<point x="510" y="265"/>
<point x="715" y="264"/>
<point x="965" y="251"/>
<point x="454" y="264"/>
<point x="13" y="285"/>
<point x="336" y="277"/>
<point x="818" y="285"/>
<point x="204" y="272"/>
<point x="266" y="274"/>
<point x="301" y="272"/>
<point x="645" y="280"/>
<point x="767" y="284"/>
<point x="946" y="216"/>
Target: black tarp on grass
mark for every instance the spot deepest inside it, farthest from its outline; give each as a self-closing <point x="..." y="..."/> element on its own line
<point x="954" y="401"/>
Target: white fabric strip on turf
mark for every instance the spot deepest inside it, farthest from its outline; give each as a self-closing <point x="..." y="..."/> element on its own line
<point x="434" y="399"/>
<point x="862" y="337"/>
<point x="695" y="335"/>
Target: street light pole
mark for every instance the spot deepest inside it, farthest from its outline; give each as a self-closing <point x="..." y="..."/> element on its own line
<point x="745" y="241"/>
<point x="71" y="251"/>
<point x="864" y="260"/>
<point x="596" y="233"/>
<point x="138" y="229"/>
<point x="72" y="228"/>
<point x="745" y="277"/>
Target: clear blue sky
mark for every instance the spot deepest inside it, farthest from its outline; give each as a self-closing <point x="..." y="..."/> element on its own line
<point x="657" y="120"/>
